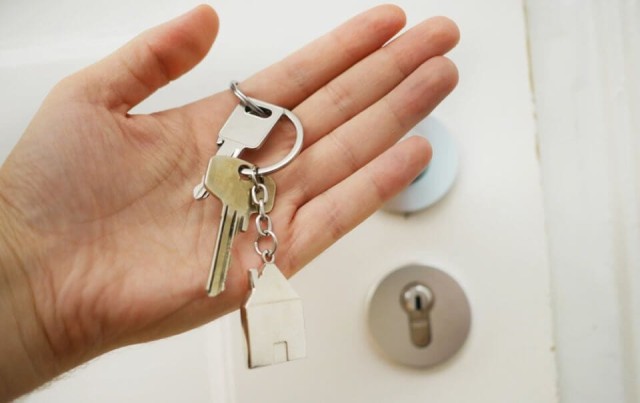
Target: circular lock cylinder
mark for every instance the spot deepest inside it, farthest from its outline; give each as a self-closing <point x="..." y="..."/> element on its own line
<point x="419" y="316"/>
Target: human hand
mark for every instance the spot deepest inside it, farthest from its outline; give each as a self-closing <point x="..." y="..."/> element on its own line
<point x="102" y="242"/>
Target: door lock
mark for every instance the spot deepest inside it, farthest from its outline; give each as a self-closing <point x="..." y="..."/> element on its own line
<point x="419" y="316"/>
<point x="417" y="299"/>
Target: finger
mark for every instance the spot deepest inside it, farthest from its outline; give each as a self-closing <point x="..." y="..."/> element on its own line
<point x="151" y="60"/>
<point x="364" y="83"/>
<point x="293" y="79"/>
<point x="351" y="201"/>
<point x="370" y="79"/>
<point x="361" y="139"/>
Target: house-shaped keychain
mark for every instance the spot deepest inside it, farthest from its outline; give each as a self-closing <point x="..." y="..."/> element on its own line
<point x="272" y="319"/>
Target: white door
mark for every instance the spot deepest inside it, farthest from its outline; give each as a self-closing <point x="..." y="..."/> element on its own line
<point x="488" y="232"/>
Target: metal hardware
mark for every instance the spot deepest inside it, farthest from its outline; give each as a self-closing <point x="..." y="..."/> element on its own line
<point x="272" y="316"/>
<point x="259" y="108"/>
<point x="417" y="300"/>
<point x="272" y="319"/>
<point x="249" y="129"/>
<point x="259" y="198"/>
<point x="245" y="101"/>
<point x="224" y="181"/>
<point x="419" y="316"/>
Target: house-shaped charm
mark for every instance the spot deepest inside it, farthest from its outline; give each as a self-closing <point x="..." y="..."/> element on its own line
<point x="272" y="319"/>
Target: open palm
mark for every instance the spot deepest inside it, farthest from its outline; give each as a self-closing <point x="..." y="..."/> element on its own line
<point x="123" y="249"/>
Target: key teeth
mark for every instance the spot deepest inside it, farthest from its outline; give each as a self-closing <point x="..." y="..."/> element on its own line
<point x="243" y="224"/>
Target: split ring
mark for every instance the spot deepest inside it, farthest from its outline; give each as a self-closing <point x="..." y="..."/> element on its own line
<point x="257" y="105"/>
<point x="246" y="101"/>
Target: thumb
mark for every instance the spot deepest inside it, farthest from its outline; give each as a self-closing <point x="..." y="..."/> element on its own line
<point x="150" y="61"/>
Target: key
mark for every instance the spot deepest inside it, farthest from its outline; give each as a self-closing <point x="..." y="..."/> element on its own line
<point x="242" y="130"/>
<point x="223" y="180"/>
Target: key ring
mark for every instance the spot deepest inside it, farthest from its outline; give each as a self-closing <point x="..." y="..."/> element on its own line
<point x="297" y="145"/>
<point x="244" y="100"/>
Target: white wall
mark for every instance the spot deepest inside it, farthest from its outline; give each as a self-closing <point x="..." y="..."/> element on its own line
<point x="586" y="64"/>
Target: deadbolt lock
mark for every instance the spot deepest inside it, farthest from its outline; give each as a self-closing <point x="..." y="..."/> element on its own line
<point x="417" y="299"/>
<point x="419" y="316"/>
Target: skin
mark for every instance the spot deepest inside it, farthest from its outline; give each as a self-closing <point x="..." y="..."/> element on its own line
<point x="101" y="242"/>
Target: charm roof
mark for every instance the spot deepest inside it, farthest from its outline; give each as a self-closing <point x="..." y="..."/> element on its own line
<point x="271" y="286"/>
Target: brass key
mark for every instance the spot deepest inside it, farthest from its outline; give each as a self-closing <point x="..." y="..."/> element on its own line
<point x="223" y="180"/>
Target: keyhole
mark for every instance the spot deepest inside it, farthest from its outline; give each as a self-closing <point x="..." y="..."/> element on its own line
<point x="417" y="300"/>
<point x="418" y="303"/>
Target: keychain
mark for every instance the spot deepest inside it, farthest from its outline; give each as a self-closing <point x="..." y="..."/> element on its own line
<point x="272" y="315"/>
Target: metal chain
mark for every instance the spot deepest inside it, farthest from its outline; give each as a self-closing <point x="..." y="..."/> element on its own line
<point x="264" y="226"/>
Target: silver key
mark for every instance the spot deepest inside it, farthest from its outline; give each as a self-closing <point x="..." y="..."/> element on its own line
<point x="223" y="180"/>
<point x="243" y="129"/>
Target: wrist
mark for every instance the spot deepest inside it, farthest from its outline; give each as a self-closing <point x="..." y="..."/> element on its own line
<point x="26" y="357"/>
